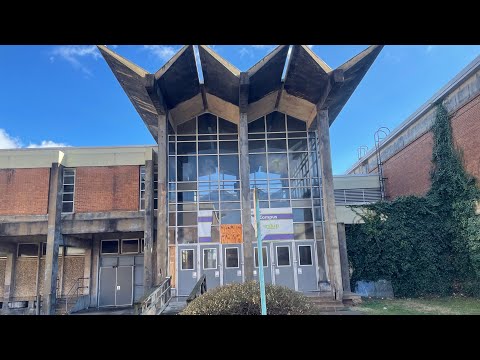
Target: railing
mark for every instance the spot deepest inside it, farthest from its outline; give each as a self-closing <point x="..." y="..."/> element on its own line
<point x="78" y="285"/>
<point x="356" y="196"/>
<point x="156" y="301"/>
<point x="199" y="289"/>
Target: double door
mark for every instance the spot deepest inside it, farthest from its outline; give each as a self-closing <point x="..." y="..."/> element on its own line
<point x="116" y="286"/>
<point x="221" y="263"/>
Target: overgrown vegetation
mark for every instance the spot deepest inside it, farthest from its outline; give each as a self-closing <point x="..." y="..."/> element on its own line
<point x="244" y="299"/>
<point x="424" y="245"/>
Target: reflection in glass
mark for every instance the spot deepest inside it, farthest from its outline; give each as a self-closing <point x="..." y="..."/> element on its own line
<point x="208" y="168"/>
<point x="283" y="256"/>
<point x="186" y="168"/>
<point x="264" y="256"/>
<point x="305" y="255"/>
<point x="275" y="122"/>
<point x="209" y="259"/>
<point x="277" y="166"/>
<point x="229" y="167"/>
<point x="231" y="257"/>
<point x="207" y="124"/>
<point x="187" y="259"/>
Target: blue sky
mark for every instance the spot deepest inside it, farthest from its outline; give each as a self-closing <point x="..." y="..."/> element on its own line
<point x="67" y="95"/>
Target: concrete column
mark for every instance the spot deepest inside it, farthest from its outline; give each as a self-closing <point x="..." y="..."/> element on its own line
<point x="9" y="284"/>
<point x="54" y="238"/>
<point x="87" y="270"/>
<point x="247" y="228"/>
<point x="37" y="280"/>
<point x="325" y="171"/>
<point x="148" y="272"/>
<point x="95" y="270"/>
<point x="162" y="211"/>
<point x="342" y="243"/>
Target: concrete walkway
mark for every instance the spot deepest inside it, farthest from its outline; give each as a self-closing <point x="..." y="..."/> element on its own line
<point x="107" y="311"/>
<point x="175" y="306"/>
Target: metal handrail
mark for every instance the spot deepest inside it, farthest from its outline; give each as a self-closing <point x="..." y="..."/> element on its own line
<point x="199" y="289"/>
<point x="75" y="287"/>
<point x="154" y="302"/>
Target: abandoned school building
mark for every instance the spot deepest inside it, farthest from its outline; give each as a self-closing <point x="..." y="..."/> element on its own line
<point x="108" y="224"/>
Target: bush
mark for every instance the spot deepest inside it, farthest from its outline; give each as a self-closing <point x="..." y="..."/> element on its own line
<point x="244" y="299"/>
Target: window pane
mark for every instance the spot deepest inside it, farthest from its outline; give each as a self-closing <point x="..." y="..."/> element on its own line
<point x="258" y="166"/>
<point x="209" y="147"/>
<point x="257" y="146"/>
<point x="305" y="254"/>
<point x="187" y="235"/>
<point x="208" y="168"/>
<point x="68" y="197"/>
<point x="294" y="124"/>
<point x="256" y="136"/>
<point x="297" y="145"/>
<point x="110" y="247"/>
<point x="299" y="168"/>
<point x="207" y="124"/>
<point x="208" y="137"/>
<point x="303" y="231"/>
<point x="300" y="193"/>
<point x="186" y="168"/>
<point x="297" y="134"/>
<point x="187" y="218"/>
<point x="171" y="168"/>
<point x="277" y="166"/>
<point x="302" y="215"/>
<point x="171" y="148"/>
<point x="171" y="238"/>
<point x="231" y="257"/>
<point x="209" y="258"/>
<point x="276" y="135"/>
<point x="279" y="204"/>
<point x="257" y="125"/>
<point x="208" y="186"/>
<point x="189" y="127"/>
<point x="207" y="196"/>
<point x="67" y="172"/>
<point x="187" y="186"/>
<point x="186" y="138"/>
<point x="279" y="193"/>
<point x="27" y="250"/>
<point x="187" y="148"/>
<point x="172" y="218"/>
<point x="319" y="231"/>
<point x="277" y="145"/>
<point x="129" y="246"/>
<point x="68" y="188"/>
<point x="229" y="167"/>
<point x="230" y="195"/>
<point x="67" y="207"/>
<point x="228" y="137"/>
<point x="230" y="205"/>
<point x="187" y="207"/>
<point x="275" y="122"/>
<point x="264" y="257"/>
<point x="230" y="217"/>
<point x="283" y="256"/>
<point x="228" y="147"/>
<point x="226" y="127"/>
<point x="187" y="260"/>
<point x="68" y="180"/>
<point x="187" y="196"/>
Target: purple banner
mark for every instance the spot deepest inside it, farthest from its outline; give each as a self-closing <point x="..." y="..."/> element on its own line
<point x="276" y="216"/>
<point x="205" y="239"/>
<point x="278" y="237"/>
<point x="205" y="219"/>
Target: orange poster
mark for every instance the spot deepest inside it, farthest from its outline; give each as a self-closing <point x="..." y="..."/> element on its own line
<point x="231" y="234"/>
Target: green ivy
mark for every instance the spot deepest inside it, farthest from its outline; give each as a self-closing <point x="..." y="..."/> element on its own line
<point x="426" y="245"/>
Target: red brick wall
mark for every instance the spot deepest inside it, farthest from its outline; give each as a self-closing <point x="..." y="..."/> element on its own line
<point x="408" y="171"/>
<point x="109" y="188"/>
<point x="466" y="134"/>
<point x="24" y="191"/>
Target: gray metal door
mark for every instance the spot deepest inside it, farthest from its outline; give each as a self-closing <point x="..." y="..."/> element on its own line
<point x="210" y="264"/>
<point x="283" y="264"/>
<point x="267" y="270"/>
<point x="306" y="266"/>
<point x="187" y="269"/>
<point x="108" y="281"/>
<point x="232" y="263"/>
<point x="124" y="294"/>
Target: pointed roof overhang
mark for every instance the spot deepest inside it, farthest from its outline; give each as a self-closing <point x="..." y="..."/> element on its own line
<point x="175" y="88"/>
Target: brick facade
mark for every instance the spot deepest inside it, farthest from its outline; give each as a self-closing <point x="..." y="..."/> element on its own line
<point x="109" y="188"/>
<point x="408" y="171"/>
<point x="24" y="191"/>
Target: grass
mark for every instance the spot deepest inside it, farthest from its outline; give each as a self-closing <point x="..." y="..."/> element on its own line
<point x="421" y="306"/>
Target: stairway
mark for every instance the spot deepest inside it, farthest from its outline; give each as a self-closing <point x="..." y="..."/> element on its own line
<point x="60" y="306"/>
<point x="325" y="302"/>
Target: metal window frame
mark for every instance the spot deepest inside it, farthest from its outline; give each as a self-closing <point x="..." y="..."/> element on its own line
<point x="277" y="245"/>
<point x="300" y="258"/>
<point x="266" y="252"/>
<point x="121" y="246"/>
<point x="74" y="170"/>
<point x="238" y="257"/>
<point x="203" y="258"/>
<point x="27" y="256"/>
<point x="181" y="258"/>
<point x="118" y="248"/>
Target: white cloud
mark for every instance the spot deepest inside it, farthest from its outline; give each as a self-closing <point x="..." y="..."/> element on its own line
<point x="311" y="46"/>
<point x="429" y="48"/>
<point x="163" y="52"/>
<point x="73" y="54"/>
<point x="46" y="144"/>
<point x="9" y="142"/>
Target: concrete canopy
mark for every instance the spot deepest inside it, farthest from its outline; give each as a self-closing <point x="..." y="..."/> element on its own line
<point x="175" y="89"/>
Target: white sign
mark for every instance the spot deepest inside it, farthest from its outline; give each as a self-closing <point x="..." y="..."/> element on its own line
<point x="276" y="223"/>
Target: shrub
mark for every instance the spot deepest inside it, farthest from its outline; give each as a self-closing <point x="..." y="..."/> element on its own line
<point x="244" y="299"/>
